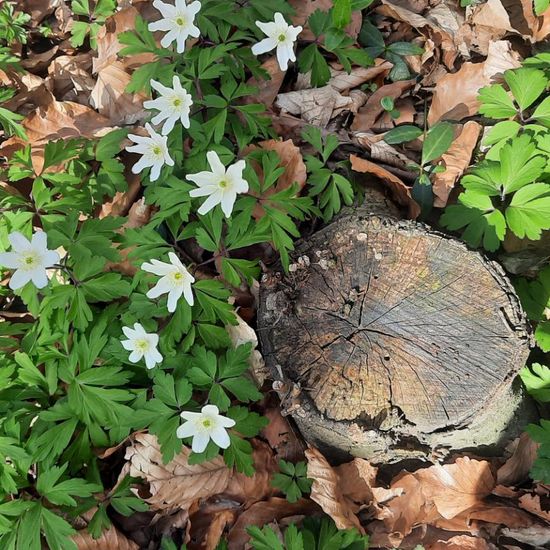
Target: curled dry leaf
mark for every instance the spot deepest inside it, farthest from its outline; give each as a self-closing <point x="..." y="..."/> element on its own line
<point x="516" y="469"/>
<point x="71" y="77"/>
<point x="367" y="115"/>
<point x="176" y="485"/>
<point x="109" y="96"/>
<point x="274" y="509"/>
<point x="441" y="24"/>
<point x="282" y="436"/>
<point x="538" y="536"/>
<point x="456" y="160"/>
<point x="327" y="491"/>
<point x="400" y="192"/>
<point x="246" y="489"/>
<point x="532" y="504"/>
<point x="316" y="106"/>
<point x="267" y="89"/>
<point x="110" y="539"/>
<point x="455" y="95"/>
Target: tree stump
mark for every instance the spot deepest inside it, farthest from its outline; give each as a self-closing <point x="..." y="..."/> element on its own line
<point x="389" y="341"/>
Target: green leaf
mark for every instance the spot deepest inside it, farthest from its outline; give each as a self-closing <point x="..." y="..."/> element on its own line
<point x="264" y="538"/>
<point x="541" y="6"/>
<point x="438" y="140"/>
<point x="109" y="145"/>
<point x="318" y="22"/>
<point x="239" y="455"/>
<point x="405" y="48"/>
<point x="387" y="103"/>
<point x="542" y="336"/>
<point x="537" y="381"/>
<point x="496" y="102"/>
<point x="57" y="531"/>
<point x="401" y="134"/>
<point x="519" y="163"/>
<point x="542" y="112"/>
<point x="502" y="131"/>
<point x="341" y="13"/>
<point x="526" y="85"/>
<point x="529" y="211"/>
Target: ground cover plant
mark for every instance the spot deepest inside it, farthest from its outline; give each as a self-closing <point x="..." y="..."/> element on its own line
<point x="157" y="158"/>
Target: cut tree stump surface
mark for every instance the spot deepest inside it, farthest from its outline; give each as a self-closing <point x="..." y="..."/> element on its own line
<point x="394" y="340"/>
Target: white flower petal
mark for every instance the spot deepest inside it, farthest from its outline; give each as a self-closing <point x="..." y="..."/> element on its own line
<point x="267" y="28"/>
<point x="160" y="25"/>
<point x="19" y="279"/>
<point x="155" y="172"/>
<point x="173" y="297"/>
<point x="19" y="242"/>
<point x="227" y="203"/>
<point x="210" y="202"/>
<point x="9" y="260"/>
<point x="157" y="267"/>
<point x="216" y="165"/>
<point x="39" y="277"/>
<point x="188" y="294"/>
<point x="226" y="422"/>
<point x="40" y="240"/>
<point x="264" y="46"/>
<point x="280" y="20"/>
<point x="187" y="429"/>
<point x="283" y="56"/>
<point x="140" y="165"/>
<point x="128" y="332"/>
<point x="169" y="37"/>
<point x="193" y="8"/>
<point x="194" y="31"/>
<point x="220" y="437"/>
<point x="169" y="124"/>
<point x="202" y="178"/>
<point x="135" y="356"/>
<point x="211" y="410"/>
<point x="189" y="415"/>
<point x="162" y="287"/>
<point x="200" y="442"/>
<point x="50" y="258"/>
<point x="127" y="345"/>
<point x="167" y="10"/>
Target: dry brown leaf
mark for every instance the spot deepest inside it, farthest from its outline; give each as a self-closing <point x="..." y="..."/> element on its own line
<point x="304" y="8"/>
<point x="456" y="160"/>
<point x="407" y="113"/>
<point x="267" y="89"/>
<point x="282" y="436"/>
<point x="176" y="485"/>
<point x="455" y="95"/>
<point x="290" y="159"/>
<point x="342" y="81"/>
<point x="526" y="22"/>
<point x="532" y="504"/>
<point x="217" y="526"/>
<point x="274" y="509"/>
<point x="315" y="106"/>
<point x="326" y="491"/>
<point x="456" y="487"/>
<point x="108" y="95"/>
<point x="441" y="23"/>
<point x="250" y="489"/>
<point x="367" y="115"/>
<point x="71" y="77"/>
<point x="538" y="536"/>
<point x="462" y="542"/>
<point x="516" y="469"/>
<point x="400" y="192"/>
<point x="110" y="539"/>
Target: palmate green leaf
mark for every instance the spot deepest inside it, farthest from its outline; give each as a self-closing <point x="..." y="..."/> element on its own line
<point x="311" y="59"/>
<point x="540" y="433"/>
<point x="212" y="297"/>
<point x="341" y="13"/>
<point x="248" y="424"/>
<point x="519" y="163"/>
<point x="529" y="211"/>
<point x="496" y="102"/>
<point x="502" y="131"/>
<point x="438" y="140"/>
<point x="542" y="336"/>
<point x="483" y="224"/>
<point x="57" y="531"/>
<point x="526" y="85"/>
<point x="239" y="455"/>
<point x="537" y="381"/>
<point x="63" y="493"/>
<point x="542" y="112"/>
<point x="264" y="538"/>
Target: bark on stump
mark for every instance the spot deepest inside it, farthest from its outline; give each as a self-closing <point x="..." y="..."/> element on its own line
<point x="395" y="342"/>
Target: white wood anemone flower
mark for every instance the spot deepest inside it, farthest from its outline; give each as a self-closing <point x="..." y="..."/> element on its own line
<point x="177" y="21"/>
<point x="173" y="104"/>
<point x="280" y="35"/>
<point x="153" y="150"/>
<point x="30" y="259"/>
<point x="221" y="186"/>
<point x="141" y="344"/>
<point x="175" y="280"/>
<point x="207" y="425"/>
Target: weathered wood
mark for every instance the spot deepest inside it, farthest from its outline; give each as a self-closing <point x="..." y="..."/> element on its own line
<point x="394" y="341"/>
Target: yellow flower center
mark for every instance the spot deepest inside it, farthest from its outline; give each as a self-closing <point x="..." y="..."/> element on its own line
<point x="177" y="276"/>
<point x="222" y="184"/>
<point x="180" y="21"/>
<point x="30" y="260"/>
<point x="157" y="150"/>
<point x="177" y="102"/>
<point x="142" y="345"/>
<point x="282" y="37"/>
<point x="207" y="423"/>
